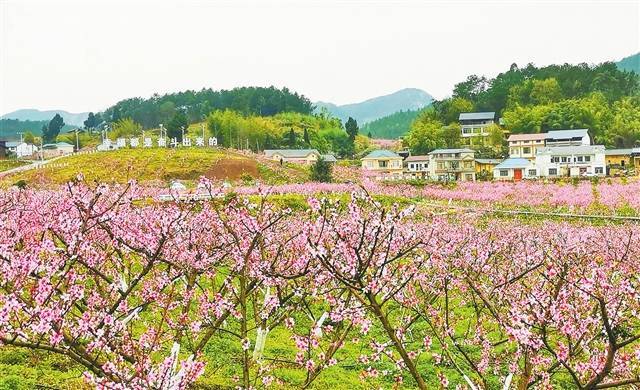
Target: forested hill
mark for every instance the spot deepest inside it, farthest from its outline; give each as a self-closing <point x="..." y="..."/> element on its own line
<point x="33" y="115"/>
<point x="631" y="63"/>
<point x="391" y="126"/>
<point x="197" y="104"/>
<point x="9" y="128"/>
<point x="379" y="107"/>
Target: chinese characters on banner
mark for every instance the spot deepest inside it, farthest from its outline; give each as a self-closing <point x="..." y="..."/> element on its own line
<point x="148" y="142"/>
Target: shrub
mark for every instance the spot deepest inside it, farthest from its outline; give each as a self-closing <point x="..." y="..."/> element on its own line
<point x="321" y="171"/>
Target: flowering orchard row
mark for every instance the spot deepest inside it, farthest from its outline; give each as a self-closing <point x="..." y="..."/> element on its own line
<point x="525" y="193"/>
<point x="135" y="292"/>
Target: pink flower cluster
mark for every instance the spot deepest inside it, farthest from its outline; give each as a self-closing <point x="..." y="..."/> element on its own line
<point x="135" y="290"/>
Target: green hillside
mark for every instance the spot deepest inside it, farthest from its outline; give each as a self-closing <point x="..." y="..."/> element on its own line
<point x="392" y="126"/>
<point x="630" y="64"/>
<point x="160" y="166"/>
<point x="9" y="128"/>
<point x="530" y="99"/>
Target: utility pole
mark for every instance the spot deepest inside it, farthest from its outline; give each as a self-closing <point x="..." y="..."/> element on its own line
<point x="77" y="143"/>
<point x="21" y="140"/>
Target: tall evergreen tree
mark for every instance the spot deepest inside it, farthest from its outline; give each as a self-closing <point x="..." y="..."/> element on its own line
<point x="51" y="131"/>
<point x="292" y="138"/>
<point x="306" y="137"/>
<point x="352" y="128"/>
<point x="321" y="171"/>
<point x="176" y="124"/>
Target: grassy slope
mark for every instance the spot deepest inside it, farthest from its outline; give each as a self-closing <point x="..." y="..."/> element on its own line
<point x="155" y="166"/>
<point x="10" y="164"/>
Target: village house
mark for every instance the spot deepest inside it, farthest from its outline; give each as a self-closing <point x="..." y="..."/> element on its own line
<point x="57" y="149"/>
<point x="301" y="156"/>
<point x="474" y="124"/>
<point x="525" y="145"/>
<point x="452" y="164"/>
<point x="3" y="149"/>
<point x="575" y="137"/>
<point x="573" y="161"/>
<point x="515" y="168"/>
<point x="417" y="167"/>
<point x="384" y="164"/>
<point x="618" y="161"/>
<point x="21" y="149"/>
<point x="635" y="159"/>
<point x="484" y="166"/>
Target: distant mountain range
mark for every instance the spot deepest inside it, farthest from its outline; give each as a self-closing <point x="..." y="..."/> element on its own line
<point x="378" y="107"/>
<point x="72" y="119"/>
<point x="631" y="63"/>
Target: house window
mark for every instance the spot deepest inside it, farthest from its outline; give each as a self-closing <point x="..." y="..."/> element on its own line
<point x="579" y="158"/>
<point x="370" y="164"/>
<point x="455" y="164"/>
<point x="504" y="172"/>
<point x="532" y="172"/>
<point x="622" y="163"/>
<point x="564" y="159"/>
<point x="526" y="150"/>
<point x="555" y="159"/>
<point x="599" y="170"/>
<point x="382" y="163"/>
<point x="440" y="165"/>
<point x="553" y="171"/>
<point x="467" y="164"/>
<point x="412" y="166"/>
<point x="587" y="158"/>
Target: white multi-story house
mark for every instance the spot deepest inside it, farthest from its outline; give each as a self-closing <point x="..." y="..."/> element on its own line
<point x="383" y="164"/>
<point x="21" y="149"/>
<point x="452" y="164"/>
<point x="417" y="167"/>
<point x="525" y="145"/>
<point x="575" y="137"/>
<point x="574" y="161"/>
<point x="474" y="124"/>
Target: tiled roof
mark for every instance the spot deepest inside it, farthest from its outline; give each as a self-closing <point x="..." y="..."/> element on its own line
<point x="513" y="163"/>
<point x="290" y="153"/>
<point x="615" y="152"/>
<point x="494" y="161"/>
<point x="442" y="151"/>
<point x="417" y="158"/>
<point x="527" y="137"/>
<point x="467" y="116"/>
<point x="382" y="153"/>
<point x="567" y="134"/>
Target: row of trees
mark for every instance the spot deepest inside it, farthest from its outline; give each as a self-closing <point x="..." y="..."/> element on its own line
<point x="286" y="130"/>
<point x="195" y="105"/>
<point x="140" y="293"/>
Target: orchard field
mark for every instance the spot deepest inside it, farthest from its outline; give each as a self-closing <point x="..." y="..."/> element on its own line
<point x="309" y="285"/>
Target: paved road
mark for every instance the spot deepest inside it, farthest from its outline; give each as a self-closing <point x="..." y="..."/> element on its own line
<point x="33" y="165"/>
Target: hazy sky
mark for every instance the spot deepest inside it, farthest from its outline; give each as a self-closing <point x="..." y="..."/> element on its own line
<point x="86" y="55"/>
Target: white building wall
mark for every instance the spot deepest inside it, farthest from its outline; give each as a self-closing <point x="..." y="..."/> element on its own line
<point x="571" y="167"/>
